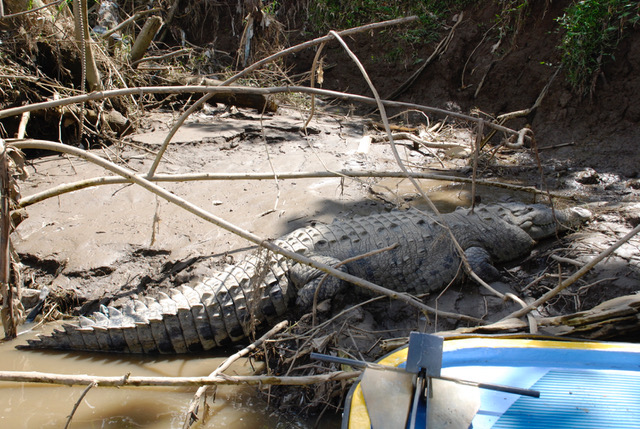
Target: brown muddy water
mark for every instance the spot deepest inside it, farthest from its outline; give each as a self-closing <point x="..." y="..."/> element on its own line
<point x="30" y="405"/>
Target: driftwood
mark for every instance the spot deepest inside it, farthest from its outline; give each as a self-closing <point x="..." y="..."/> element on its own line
<point x="133" y="381"/>
<point x="577" y="275"/>
<point x="7" y="312"/>
<point x="614" y="318"/>
<point x="144" y="39"/>
<point x="260" y="102"/>
<point x="209" y="217"/>
<point x="114" y="180"/>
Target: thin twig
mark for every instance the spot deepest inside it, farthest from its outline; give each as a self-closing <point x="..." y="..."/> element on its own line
<point x="129" y="20"/>
<point x="192" y="413"/>
<point x="210" y="217"/>
<point x="77" y="404"/>
<point x="338" y="265"/>
<point x="14" y="15"/>
<point x="180" y="121"/>
<point x="161" y="57"/>
<point x="314" y="67"/>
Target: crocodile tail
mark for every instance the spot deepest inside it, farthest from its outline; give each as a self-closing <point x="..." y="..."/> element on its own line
<point x="214" y="312"/>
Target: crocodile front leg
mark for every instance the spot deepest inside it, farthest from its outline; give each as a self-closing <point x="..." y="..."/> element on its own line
<point x="307" y="279"/>
<point x="481" y="264"/>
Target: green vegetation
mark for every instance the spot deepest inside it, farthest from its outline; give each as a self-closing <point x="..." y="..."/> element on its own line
<point x="593" y="30"/>
<point x="325" y="14"/>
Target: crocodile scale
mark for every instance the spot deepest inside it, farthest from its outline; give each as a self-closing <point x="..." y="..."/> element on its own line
<point x="262" y="288"/>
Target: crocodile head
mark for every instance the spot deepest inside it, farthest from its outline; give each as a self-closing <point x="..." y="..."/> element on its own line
<point x="538" y="220"/>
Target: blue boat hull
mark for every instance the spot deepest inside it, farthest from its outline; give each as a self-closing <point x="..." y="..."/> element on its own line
<point x="581" y="384"/>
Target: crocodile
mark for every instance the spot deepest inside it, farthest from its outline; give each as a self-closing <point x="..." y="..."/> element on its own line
<point x="265" y="286"/>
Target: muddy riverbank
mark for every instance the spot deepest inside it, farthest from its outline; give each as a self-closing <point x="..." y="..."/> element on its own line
<point x="107" y="244"/>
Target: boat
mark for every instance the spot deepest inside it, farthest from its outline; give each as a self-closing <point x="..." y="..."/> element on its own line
<point x="501" y="383"/>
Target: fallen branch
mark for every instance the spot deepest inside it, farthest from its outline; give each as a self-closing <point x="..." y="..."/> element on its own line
<point x="209" y="217"/>
<point x="25" y="12"/>
<point x="612" y="318"/>
<point x="6" y="290"/>
<point x="180" y="121"/>
<point x="144" y="39"/>
<point x="114" y="180"/>
<point x="161" y="57"/>
<point x="418" y="140"/>
<point x="192" y="412"/>
<point x="209" y="90"/>
<point x="440" y="49"/>
<point x="134" y="381"/>
<point x="129" y="21"/>
<point x="519" y="113"/>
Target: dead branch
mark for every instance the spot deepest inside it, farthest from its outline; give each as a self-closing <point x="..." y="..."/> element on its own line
<point x="612" y="318"/>
<point x="577" y="275"/>
<point x="135" y="381"/>
<point x="180" y="121"/>
<point x="209" y="217"/>
<point x="416" y="139"/>
<point x="114" y="180"/>
<point x="519" y="113"/>
<point x="320" y="71"/>
<point x="144" y="39"/>
<point x="440" y="49"/>
<point x="7" y="312"/>
<point x="100" y="95"/>
<point x="192" y="413"/>
<point x="129" y="20"/>
<point x="172" y="54"/>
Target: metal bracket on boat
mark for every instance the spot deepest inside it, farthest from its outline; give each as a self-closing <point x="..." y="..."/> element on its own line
<point x="424" y="364"/>
<point x="425" y="360"/>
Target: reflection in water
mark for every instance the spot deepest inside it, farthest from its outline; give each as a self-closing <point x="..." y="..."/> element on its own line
<point x="48" y="406"/>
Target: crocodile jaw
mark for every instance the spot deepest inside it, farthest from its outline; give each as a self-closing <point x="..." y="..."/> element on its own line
<point x="538" y="220"/>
